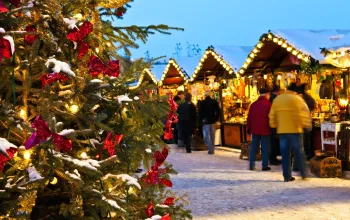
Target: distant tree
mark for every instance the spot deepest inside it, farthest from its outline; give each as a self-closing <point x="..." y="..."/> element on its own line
<point x="196" y="50"/>
<point x="178" y="50"/>
<point x="148" y="56"/>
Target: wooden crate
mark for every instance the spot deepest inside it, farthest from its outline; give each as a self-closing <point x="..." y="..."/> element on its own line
<point x="245" y="151"/>
<point x="326" y="167"/>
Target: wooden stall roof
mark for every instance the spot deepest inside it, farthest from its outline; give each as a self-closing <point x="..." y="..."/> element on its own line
<point x="220" y="61"/>
<point x="285" y="48"/>
<point x="146" y="76"/>
<point x="173" y="74"/>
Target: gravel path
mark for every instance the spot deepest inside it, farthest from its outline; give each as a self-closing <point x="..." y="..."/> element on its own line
<point x="221" y="188"/>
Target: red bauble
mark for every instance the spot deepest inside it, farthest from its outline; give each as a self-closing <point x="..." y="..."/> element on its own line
<point x="150" y="210"/>
<point x="3" y="8"/>
<point x="5" y="49"/>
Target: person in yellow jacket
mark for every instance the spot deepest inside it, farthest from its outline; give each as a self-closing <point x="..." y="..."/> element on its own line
<point x="290" y="115"/>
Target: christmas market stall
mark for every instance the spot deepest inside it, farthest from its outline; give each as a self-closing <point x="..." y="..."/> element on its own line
<point x="173" y="79"/>
<point x="147" y="80"/>
<point x="317" y="59"/>
<point x="217" y="72"/>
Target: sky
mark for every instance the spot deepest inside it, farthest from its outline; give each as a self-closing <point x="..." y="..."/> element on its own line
<point x="229" y="22"/>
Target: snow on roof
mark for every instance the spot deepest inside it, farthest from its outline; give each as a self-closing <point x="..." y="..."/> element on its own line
<point x="158" y="70"/>
<point x="188" y="64"/>
<point x="310" y="41"/>
<point x="233" y="55"/>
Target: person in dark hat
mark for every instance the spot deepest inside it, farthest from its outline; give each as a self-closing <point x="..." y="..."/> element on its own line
<point x="258" y="126"/>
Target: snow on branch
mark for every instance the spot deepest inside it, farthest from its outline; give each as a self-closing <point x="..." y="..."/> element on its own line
<point x="88" y="164"/>
<point x="59" y="66"/>
<point x="113" y="204"/>
<point x="5" y="145"/>
<point x="34" y="175"/>
<point x="125" y="178"/>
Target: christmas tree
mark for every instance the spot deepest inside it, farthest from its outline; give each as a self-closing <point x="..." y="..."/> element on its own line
<point x="72" y="134"/>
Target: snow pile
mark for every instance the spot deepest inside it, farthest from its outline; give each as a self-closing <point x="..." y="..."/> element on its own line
<point x="34" y="175"/>
<point x="96" y="81"/>
<point x="112" y="203"/>
<point x="93" y="142"/>
<point x="155" y="217"/>
<point x="5" y="145"/>
<point x="124" y="98"/>
<point x="19" y="127"/>
<point x="71" y="23"/>
<point x="88" y="164"/>
<point x="75" y="175"/>
<point x="66" y="132"/>
<point x="136" y="98"/>
<point x="148" y="151"/>
<point x="162" y="206"/>
<point x="2" y="31"/>
<point x="59" y="66"/>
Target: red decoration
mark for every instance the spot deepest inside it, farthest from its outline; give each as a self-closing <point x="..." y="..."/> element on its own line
<point x="166" y="217"/>
<point x="3" y="158"/>
<point x="150" y="210"/>
<point x="3" y="8"/>
<point x="171" y="118"/>
<point x="96" y="67"/>
<point x="30" y="38"/>
<point x="160" y="156"/>
<point x="111" y="141"/>
<point x="338" y="82"/>
<point x="5" y="49"/>
<point x="165" y="182"/>
<point x="169" y="201"/>
<point x="51" y="77"/>
<point x="77" y="35"/>
<point x="83" y="49"/>
<point x="42" y="133"/>
<point x="120" y="12"/>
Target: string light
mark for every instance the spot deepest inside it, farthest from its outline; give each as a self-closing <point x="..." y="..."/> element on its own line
<point x="74" y="108"/>
<point x="78" y="16"/>
<point x="26" y="155"/>
<point x="54" y="181"/>
<point x="149" y="73"/>
<point x="23" y="114"/>
<point x="279" y="77"/>
<point x="97" y="50"/>
<point x="83" y="155"/>
<point x="173" y="63"/>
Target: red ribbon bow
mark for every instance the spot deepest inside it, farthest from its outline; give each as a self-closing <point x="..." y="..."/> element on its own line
<point x="111" y="141"/>
<point x="42" y="133"/>
<point x="169" y="201"/>
<point x="171" y="118"/>
<point x="152" y="175"/>
<point x="52" y="77"/>
<point x="3" y="158"/>
<point x="3" y="8"/>
<point x="150" y="210"/>
<point x="96" y="66"/>
<point x="5" y="49"/>
<point x="30" y="38"/>
<point x="78" y="35"/>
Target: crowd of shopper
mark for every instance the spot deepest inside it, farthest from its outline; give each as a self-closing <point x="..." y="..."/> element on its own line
<point x="281" y="118"/>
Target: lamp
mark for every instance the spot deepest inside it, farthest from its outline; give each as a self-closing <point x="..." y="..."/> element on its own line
<point x="342" y="103"/>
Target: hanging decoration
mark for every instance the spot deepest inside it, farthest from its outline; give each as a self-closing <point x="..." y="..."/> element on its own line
<point x="150" y="210"/>
<point x="3" y="8"/>
<point x="52" y="77"/>
<point x="96" y="66"/>
<point x="169" y="201"/>
<point x="7" y="47"/>
<point x="7" y="152"/>
<point x="111" y="141"/>
<point x="171" y="118"/>
<point x="42" y="133"/>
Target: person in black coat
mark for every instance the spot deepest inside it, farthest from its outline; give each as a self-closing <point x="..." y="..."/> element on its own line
<point x="275" y="148"/>
<point x="209" y="114"/>
<point x="179" y="98"/>
<point x="187" y="120"/>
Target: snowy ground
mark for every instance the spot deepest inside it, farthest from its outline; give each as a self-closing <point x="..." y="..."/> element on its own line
<point x="221" y="188"/>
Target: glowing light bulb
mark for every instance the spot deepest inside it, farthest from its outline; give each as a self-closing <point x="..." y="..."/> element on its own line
<point x="260" y="45"/>
<point x="334" y="55"/>
<point x="300" y="56"/>
<point x="265" y="76"/>
<point x="306" y="59"/>
<point x="342" y="53"/>
<point x="284" y="45"/>
<point x="26" y="155"/>
<point x="83" y="155"/>
<point x="245" y="65"/>
<point x="74" y="108"/>
<point x="23" y="114"/>
<point x="78" y="16"/>
<point x="279" y="77"/>
<point x="231" y="71"/>
<point x="97" y="50"/>
<point x="54" y="181"/>
<point x="255" y="50"/>
<point x="249" y="60"/>
<point x="280" y="42"/>
<point x="269" y="36"/>
<point x="241" y="71"/>
<point x="108" y="44"/>
<point x="275" y="39"/>
<point x="289" y="49"/>
<point x="252" y="55"/>
<point x="295" y="52"/>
